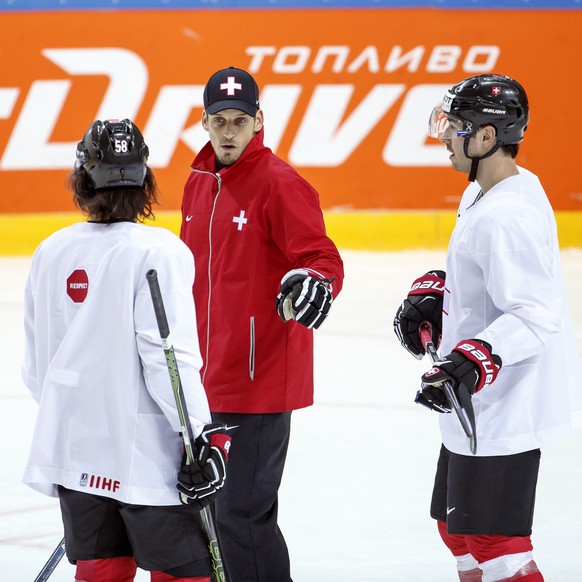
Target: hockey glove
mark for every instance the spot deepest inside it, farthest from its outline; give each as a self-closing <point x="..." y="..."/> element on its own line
<point x="305" y="296"/>
<point x="424" y="303"/>
<point x="200" y="482"/>
<point x="470" y="366"/>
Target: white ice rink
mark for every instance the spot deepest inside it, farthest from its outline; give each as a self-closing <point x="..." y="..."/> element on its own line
<point x="356" y="491"/>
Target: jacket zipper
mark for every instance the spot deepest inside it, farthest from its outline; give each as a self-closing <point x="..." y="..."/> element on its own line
<point x="207" y="350"/>
<point x="252" y="349"/>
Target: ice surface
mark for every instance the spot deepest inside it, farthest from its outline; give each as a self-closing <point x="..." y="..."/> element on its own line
<point x="354" y="501"/>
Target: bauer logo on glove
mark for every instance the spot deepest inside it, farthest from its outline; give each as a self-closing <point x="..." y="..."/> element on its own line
<point x="478" y="355"/>
<point x="424" y="303"/>
<point x="471" y="363"/>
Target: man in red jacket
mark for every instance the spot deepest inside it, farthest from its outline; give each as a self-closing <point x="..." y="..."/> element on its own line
<point x="266" y="275"/>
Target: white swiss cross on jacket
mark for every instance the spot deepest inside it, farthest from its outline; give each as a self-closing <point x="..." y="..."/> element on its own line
<point x="240" y="220"/>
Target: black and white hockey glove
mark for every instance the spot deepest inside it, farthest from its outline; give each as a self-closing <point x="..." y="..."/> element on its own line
<point x="200" y="482"/>
<point x="423" y="303"/>
<point x="305" y="296"/>
<point x="470" y="366"/>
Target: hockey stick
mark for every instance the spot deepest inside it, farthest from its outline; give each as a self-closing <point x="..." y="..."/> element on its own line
<point x="464" y="410"/>
<point x="185" y="426"/>
<point x="52" y="563"/>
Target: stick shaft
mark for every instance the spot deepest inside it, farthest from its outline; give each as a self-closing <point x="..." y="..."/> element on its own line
<point x="52" y="563"/>
<point x="186" y="427"/>
<point x="426" y="339"/>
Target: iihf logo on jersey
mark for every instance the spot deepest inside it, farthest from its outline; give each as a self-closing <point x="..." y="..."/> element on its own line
<point x="99" y="482"/>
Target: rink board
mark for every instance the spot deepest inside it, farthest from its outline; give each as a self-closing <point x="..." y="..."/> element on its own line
<point x="364" y="230"/>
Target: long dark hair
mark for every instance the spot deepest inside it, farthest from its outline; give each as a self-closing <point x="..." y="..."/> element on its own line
<point x="113" y="204"/>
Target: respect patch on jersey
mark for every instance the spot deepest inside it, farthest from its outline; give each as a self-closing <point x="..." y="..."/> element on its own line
<point x="78" y="285"/>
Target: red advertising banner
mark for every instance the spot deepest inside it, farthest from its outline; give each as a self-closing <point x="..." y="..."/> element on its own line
<point x="346" y="94"/>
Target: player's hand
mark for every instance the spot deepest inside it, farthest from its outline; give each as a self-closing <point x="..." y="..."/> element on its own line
<point x="423" y="303"/>
<point x="200" y="482"/>
<point x="304" y="296"/>
<point x="470" y="365"/>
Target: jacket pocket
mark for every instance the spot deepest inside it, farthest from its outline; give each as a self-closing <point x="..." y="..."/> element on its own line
<point x="252" y="348"/>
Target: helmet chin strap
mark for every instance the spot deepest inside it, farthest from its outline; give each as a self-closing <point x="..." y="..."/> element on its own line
<point x="474" y="166"/>
<point x="475" y="160"/>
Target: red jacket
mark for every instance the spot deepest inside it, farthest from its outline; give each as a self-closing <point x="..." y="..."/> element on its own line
<point x="247" y="226"/>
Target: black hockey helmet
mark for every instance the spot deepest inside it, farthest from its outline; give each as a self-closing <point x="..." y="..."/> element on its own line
<point x="493" y="100"/>
<point x="114" y="154"/>
<point x="489" y="99"/>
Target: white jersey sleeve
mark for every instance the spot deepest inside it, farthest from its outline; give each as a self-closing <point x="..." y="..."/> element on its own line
<point x="175" y="277"/>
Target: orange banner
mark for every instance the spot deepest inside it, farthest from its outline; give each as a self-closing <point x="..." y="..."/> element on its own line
<point x="346" y="94"/>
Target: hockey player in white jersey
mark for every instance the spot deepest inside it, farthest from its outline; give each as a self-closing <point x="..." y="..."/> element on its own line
<point x="107" y="440"/>
<point x="507" y="341"/>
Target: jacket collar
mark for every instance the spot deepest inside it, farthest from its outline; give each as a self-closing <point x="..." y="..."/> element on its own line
<point x="205" y="160"/>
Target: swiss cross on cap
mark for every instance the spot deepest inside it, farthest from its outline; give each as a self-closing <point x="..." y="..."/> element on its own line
<point x="496" y="90"/>
<point x="231" y="88"/>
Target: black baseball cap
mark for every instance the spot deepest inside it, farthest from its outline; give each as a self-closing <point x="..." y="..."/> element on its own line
<point x="231" y="88"/>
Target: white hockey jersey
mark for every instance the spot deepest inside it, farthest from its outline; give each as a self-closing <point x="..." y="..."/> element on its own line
<point x="504" y="285"/>
<point x="107" y="422"/>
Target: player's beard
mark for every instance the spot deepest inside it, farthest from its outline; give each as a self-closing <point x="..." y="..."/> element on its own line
<point x="229" y="156"/>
